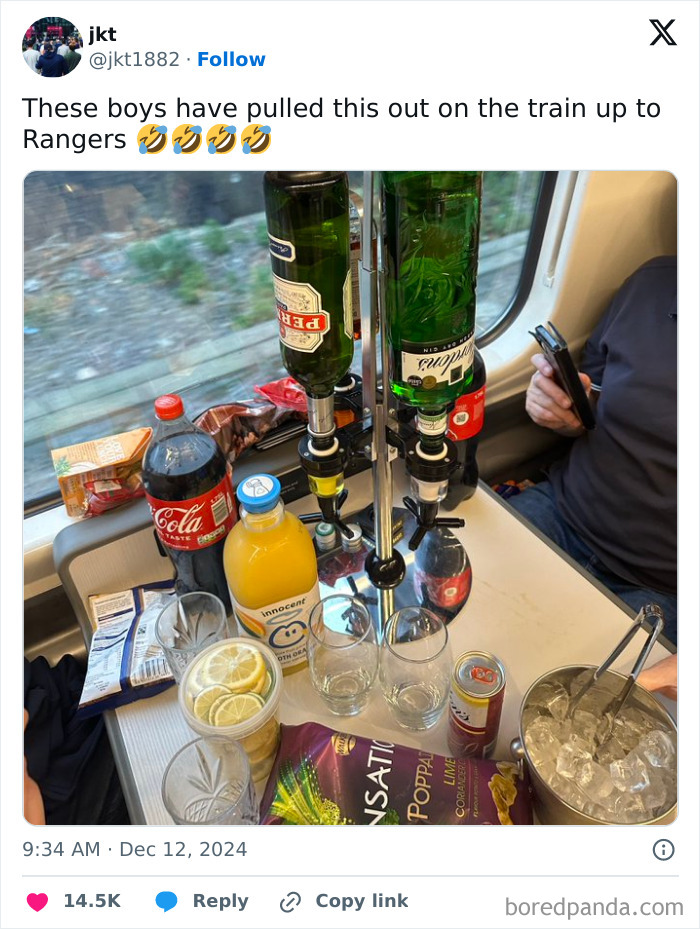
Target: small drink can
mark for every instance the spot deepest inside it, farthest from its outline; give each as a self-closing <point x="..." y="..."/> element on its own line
<point x="476" y="701"/>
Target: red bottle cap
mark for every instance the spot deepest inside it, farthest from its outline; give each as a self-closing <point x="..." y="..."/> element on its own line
<point x="169" y="406"/>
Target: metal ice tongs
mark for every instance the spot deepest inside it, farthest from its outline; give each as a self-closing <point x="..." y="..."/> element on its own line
<point x="653" y="615"/>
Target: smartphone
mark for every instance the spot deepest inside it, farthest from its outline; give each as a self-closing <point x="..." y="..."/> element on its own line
<point x="555" y="350"/>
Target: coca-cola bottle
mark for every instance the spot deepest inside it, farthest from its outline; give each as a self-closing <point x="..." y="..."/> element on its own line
<point x="464" y="427"/>
<point x="188" y="488"/>
<point x="442" y="577"/>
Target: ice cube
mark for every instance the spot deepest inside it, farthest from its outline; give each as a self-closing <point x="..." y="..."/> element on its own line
<point x="626" y="736"/>
<point x="612" y="750"/>
<point x="629" y="808"/>
<point x="540" y="741"/>
<point x="567" y="791"/>
<point x="530" y="714"/>
<point x="572" y="761"/>
<point x="658" y="749"/>
<point x="552" y="697"/>
<point x="584" y="725"/>
<point x="597" y="783"/>
<point x="654" y="797"/>
<point x="636" y="722"/>
<point x="629" y="774"/>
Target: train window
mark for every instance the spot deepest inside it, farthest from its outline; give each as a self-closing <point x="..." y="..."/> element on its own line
<point x="140" y="283"/>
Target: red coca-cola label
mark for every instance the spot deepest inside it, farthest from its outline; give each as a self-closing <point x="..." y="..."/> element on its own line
<point x="196" y="523"/>
<point x="467" y="418"/>
<point x="447" y="592"/>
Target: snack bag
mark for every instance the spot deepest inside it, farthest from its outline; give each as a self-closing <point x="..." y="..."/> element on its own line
<point x="99" y="475"/>
<point x="332" y="778"/>
<point x="125" y="662"/>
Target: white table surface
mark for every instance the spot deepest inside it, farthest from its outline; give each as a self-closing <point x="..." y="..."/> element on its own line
<point x="528" y="606"/>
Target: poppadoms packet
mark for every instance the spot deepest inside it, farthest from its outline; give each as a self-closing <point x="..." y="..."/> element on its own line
<point x="325" y="777"/>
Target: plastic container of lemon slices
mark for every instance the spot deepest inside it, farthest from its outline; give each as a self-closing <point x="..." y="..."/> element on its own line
<point x="232" y="689"/>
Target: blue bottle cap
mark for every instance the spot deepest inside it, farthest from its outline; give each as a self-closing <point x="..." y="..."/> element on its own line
<point x="259" y="493"/>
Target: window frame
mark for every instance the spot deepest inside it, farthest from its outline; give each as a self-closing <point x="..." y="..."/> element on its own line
<point x="538" y="227"/>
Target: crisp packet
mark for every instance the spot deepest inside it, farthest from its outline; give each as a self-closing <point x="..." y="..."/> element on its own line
<point x="112" y="463"/>
<point x="325" y="777"/>
<point x="125" y="662"/>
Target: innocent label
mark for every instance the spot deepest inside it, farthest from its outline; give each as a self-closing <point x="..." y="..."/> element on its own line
<point x="188" y="525"/>
<point x="467" y="418"/>
<point x="283" y="625"/>
<point x="303" y="321"/>
<point x="434" y="366"/>
<point x="280" y="248"/>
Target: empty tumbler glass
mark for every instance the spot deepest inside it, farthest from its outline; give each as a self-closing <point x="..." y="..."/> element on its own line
<point x="208" y="783"/>
<point x="343" y="654"/>
<point x="188" y="625"/>
<point x="415" y="667"/>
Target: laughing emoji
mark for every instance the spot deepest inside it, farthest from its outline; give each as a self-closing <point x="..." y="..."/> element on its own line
<point x="187" y="139"/>
<point x="256" y="139"/>
<point x="221" y="139"/>
<point x="152" y="139"/>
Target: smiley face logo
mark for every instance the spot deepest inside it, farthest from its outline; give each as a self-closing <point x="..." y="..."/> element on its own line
<point x="221" y="139"/>
<point x="255" y="139"/>
<point x="187" y="139"/>
<point x="152" y="139"/>
<point x="288" y="635"/>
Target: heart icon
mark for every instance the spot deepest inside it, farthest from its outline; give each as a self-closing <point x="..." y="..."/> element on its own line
<point x="37" y="901"/>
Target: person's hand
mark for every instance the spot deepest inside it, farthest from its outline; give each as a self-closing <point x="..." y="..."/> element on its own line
<point x="33" y="803"/>
<point x="662" y="677"/>
<point x="547" y="404"/>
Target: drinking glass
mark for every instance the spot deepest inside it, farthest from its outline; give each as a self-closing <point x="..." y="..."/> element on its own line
<point x="187" y="625"/>
<point x="208" y="783"/>
<point x="343" y="654"/>
<point x="415" y="667"/>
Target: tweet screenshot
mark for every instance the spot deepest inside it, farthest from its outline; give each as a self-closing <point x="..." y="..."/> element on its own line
<point x="362" y="497"/>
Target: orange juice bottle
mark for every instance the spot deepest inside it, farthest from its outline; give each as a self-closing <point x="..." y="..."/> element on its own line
<point x="270" y="566"/>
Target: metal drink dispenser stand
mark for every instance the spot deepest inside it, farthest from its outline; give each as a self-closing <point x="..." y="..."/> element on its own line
<point x="387" y="573"/>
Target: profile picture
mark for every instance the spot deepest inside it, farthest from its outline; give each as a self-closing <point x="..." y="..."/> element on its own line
<point x="52" y="47"/>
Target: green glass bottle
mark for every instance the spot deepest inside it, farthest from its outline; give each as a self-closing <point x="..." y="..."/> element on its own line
<point x="308" y="224"/>
<point x="432" y="243"/>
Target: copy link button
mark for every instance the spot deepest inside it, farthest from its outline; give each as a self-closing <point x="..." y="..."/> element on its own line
<point x="290" y="902"/>
<point x="663" y="849"/>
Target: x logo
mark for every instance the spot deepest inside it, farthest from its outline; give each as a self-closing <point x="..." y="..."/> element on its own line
<point x="663" y="31"/>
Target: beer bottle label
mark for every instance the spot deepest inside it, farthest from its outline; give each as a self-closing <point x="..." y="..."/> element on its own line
<point x="430" y="367"/>
<point x="303" y="321"/>
<point x="283" y="625"/>
<point x="188" y="525"/>
<point x="281" y="248"/>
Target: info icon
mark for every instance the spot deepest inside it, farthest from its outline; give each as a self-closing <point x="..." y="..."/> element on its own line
<point x="663" y="849"/>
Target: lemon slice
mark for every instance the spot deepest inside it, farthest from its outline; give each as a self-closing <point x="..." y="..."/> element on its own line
<point x="206" y="698"/>
<point x="237" y="666"/>
<point x="263" y="686"/>
<point x="234" y="709"/>
<point x="260" y="744"/>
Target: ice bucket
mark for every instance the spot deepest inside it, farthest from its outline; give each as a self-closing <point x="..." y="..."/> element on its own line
<point x="549" y="807"/>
